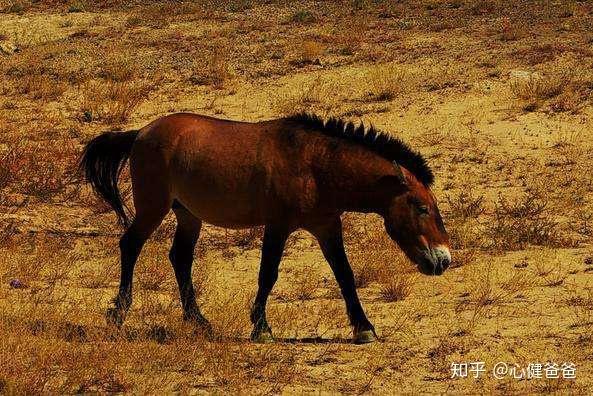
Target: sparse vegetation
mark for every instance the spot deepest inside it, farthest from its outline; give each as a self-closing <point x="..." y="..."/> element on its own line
<point x="111" y="102"/>
<point x="303" y="16"/>
<point x="396" y="287"/>
<point x="522" y="222"/>
<point x="386" y="82"/>
<point x="454" y="79"/>
<point x="466" y="205"/>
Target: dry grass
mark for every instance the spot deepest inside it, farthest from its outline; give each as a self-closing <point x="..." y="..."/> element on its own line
<point x="40" y="87"/>
<point x="396" y="287"/>
<point x="466" y="204"/>
<point x="446" y="76"/>
<point x="9" y="166"/>
<point x="310" y="53"/>
<point x="212" y="68"/>
<point x="385" y="83"/>
<point x="42" y="170"/>
<point x="111" y="102"/>
<point x="563" y="87"/>
<point x="522" y="222"/>
<point x="534" y="89"/>
<point x="305" y="285"/>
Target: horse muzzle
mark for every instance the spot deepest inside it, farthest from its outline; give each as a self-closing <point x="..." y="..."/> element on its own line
<point x="434" y="261"/>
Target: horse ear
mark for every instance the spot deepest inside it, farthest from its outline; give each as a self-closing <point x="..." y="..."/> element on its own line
<point x="395" y="184"/>
<point x="399" y="173"/>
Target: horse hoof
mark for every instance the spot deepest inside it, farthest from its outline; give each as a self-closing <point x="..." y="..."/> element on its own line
<point x="201" y="326"/>
<point x="114" y="317"/>
<point x="206" y="331"/>
<point x="365" y="337"/>
<point x="262" y="337"/>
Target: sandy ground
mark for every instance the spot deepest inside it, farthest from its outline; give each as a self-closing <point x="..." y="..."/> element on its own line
<point x="496" y="96"/>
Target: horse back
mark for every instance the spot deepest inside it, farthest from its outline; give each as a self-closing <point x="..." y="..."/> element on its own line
<point x="232" y="174"/>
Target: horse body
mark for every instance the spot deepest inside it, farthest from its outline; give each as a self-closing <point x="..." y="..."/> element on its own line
<point x="285" y="174"/>
<point x="271" y="170"/>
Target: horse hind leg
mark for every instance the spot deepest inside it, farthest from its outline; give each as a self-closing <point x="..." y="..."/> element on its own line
<point x="182" y="256"/>
<point x="151" y="209"/>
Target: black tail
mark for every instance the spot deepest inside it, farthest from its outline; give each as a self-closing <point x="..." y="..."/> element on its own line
<point x="102" y="161"/>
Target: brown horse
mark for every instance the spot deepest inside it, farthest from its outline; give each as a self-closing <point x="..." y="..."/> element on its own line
<point x="286" y="174"/>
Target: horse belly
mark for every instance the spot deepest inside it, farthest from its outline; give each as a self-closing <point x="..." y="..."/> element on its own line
<point x="233" y="200"/>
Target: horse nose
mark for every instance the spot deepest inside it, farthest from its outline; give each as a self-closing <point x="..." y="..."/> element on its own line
<point x="443" y="256"/>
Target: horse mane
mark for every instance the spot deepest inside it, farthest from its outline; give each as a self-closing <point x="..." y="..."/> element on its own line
<point x="383" y="144"/>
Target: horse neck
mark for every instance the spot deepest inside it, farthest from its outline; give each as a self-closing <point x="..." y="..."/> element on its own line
<point x="349" y="176"/>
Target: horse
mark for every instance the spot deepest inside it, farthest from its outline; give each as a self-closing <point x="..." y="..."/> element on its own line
<point x="296" y="172"/>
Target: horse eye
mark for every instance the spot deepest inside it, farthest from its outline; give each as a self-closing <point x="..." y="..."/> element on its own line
<point x="423" y="209"/>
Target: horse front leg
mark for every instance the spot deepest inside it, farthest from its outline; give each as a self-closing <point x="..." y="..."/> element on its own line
<point x="329" y="236"/>
<point x="272" y="249"/>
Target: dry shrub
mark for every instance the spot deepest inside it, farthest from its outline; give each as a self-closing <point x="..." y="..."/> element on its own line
<point x="366" y="272"/>
<point x="98" y="205"/>
<point x="7" y="233"/>
<point x="488" y="290"/>
<point x="46" y="168"/>
<point x="373" y="255"/>
<point x="518" y="282"/>
<point x="309" y="52"/>
<point x="556" y="278"/>
<point x="154" y="272"/>
<point x="534" y="89"/>
<point x="522" y="222"/>
<point x="375" y="260"/>
<point x="46" y="266"/>
<point x="581" y="306"/>
<point x="246" y="239"/>
<point x="483" y="7"/>
<point x="440" y="355"/>
<point x="302" y="16"/>
<point x="510" y="30"/>
<point x="463" y="226"/>
<point x="156" y="15"/>
<point x="463" y="257"/>
<point x="542" y="268"/>
<point x="213" y="68"/>
<point x="396" y="286"/>
<point x="576" y="94"/>
<point x="16" y="6"/>
<point x="306" y="284"/>
<point x="229" y="313"/>
<point x="111" y="102"/>
<point x="549" y="268"/>
<point x="467" y="204"/>
<point x="10" y="162"/>
<point x="39" y="87"/>
<point x="202" y="274"/>
<point x="436" y="77"/>
<point x="349" y="40"/>
<point x="238" y="240"/>
<point x="584" y="223"/>
<point x="102" y="275"/>
<point x="118" y="68"/>
<point x="386" y="82"/>
<point x="317" y="93"/>
<point x="565" y="87"/>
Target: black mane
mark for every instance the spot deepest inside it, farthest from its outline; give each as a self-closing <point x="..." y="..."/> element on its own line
<point x="387" y="146"/>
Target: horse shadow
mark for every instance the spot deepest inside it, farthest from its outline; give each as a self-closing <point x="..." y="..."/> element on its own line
<point x="76" y="332"/>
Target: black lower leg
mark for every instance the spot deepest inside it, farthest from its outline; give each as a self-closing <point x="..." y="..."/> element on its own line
<point x="273" y="246"/>
<point x="130" y="247"/>
<point x="182" y="256"/>
<point x="332" y="244"/>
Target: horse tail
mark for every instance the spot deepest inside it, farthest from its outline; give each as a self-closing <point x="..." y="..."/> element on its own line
<point x="102" y="161"/>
